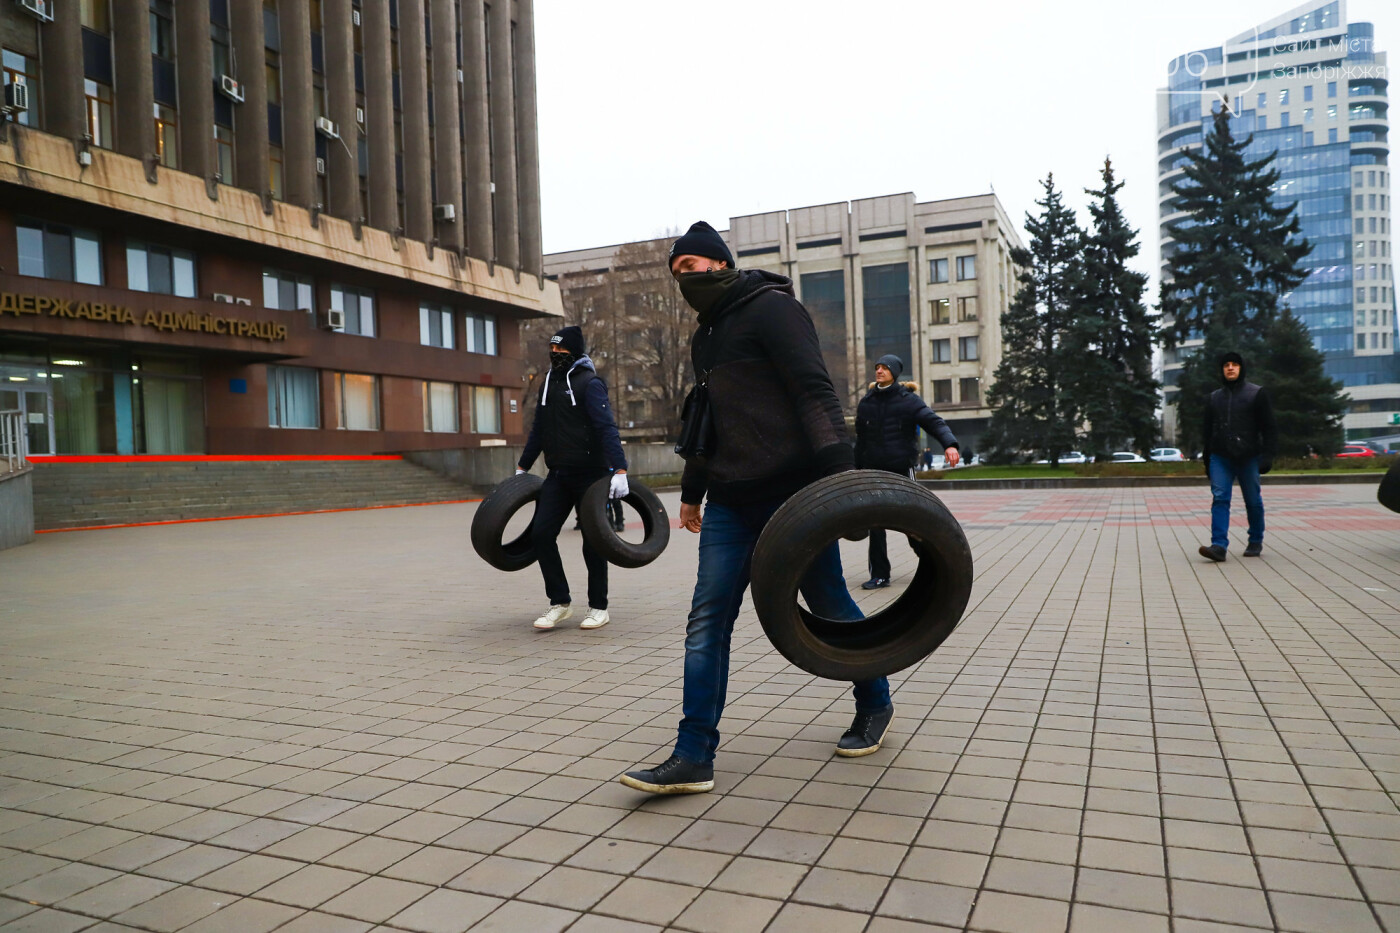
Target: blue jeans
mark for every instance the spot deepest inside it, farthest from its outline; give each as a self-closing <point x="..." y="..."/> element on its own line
<point x="1223" y="474"/>
<point x="727" y="538"/>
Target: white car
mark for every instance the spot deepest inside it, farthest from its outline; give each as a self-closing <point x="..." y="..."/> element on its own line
<point x="1126" y="456"/>
<point x="1167" y="454"/>
<point x="1069" y="456"/>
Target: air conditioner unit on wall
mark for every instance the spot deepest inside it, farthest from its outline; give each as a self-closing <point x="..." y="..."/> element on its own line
<point x="41" y="9"/>
<point x="327" y="128"/>
<point x="356" y="17"/>
<point x="360" y="116"/>
<point x="445" y="212"/>
<point x="16" y="97"/>
<point x="330" y="319"/>
<point x="231" y="89"/>
<point x="320" y="166"/>
<point x="243" y="301"/>
<point x="220" y="296"/>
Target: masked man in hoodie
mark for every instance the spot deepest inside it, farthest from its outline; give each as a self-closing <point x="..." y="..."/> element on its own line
<point x="778" y="426"/>
<point x="574" y="428"/>
<point x="1239" y="440"/>
<point x="887" y="420"/>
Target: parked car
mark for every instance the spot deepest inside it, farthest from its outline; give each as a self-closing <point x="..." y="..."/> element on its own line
<point x="1167" y="454"/>
<point x="1072" y="456"/>
<point x="1356" y="450"/>
<point x="1126" y="456"/>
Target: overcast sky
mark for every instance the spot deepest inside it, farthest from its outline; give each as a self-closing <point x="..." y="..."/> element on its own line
<point x="654" y="113"/>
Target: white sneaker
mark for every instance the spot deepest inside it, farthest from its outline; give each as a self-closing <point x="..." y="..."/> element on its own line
<point x="596" y="618"/>
<point x="557" y="613"/>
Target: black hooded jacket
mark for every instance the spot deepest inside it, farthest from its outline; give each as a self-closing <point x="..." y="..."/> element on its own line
<point x="1239" y="420"/>
<point x="778" y="423"/>
<point x="885" y="423"/>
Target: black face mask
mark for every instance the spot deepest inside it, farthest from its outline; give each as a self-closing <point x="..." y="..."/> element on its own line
<point x="560" y="362"/>
<point x="703" y="290"/>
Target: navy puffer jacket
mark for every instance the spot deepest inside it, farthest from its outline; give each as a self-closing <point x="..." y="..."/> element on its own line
<point x="885" y="423"/>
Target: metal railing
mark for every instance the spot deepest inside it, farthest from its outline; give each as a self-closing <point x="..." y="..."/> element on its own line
<point x="14" y="443"/>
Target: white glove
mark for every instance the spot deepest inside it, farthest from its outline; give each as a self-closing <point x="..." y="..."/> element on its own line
<point x="617" y="489"/>
<point x="518" y="471"/>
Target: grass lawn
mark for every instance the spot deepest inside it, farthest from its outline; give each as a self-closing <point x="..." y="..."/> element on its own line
<point x="1375" y="465"/>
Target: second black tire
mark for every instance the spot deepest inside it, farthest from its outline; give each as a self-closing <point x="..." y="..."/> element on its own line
<point x="492" y="516"/>
<point x="896" y="637"/>
<point x="598" y="531"/>
<point x="1388" y="494"/>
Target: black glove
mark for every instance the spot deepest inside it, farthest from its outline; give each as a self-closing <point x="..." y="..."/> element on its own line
<point x="1265" y="465"/>
<point x="836" y="458"/>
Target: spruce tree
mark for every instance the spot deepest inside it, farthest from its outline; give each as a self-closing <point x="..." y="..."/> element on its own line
<point x="1029" y="413"/>
<point x="1109" y="383"/>
<point x="1308" y="405"/>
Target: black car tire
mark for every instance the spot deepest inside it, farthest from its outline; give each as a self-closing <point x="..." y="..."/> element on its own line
<point x="896" y="637"/>
<point x="1388" y="494"/>
<point x="599" y="533"/>
<point x="489" y="523"/>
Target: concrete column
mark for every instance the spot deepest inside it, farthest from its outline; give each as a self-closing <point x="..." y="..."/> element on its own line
<point x="298" y="106"/>
<point x="447" y="127"/>
<point x="344" y="153"/>
<point x="379" y="115"/>
<point x="527" y="130"/>
<point x="135" y="91"/>
<point x="507" y="215"/>
<point x="61" y="50"/>
<point x="413" y="90"/>
<point x="250" y="117"/>
<point x="193" y="65"/>
<point x="476" y="124"/>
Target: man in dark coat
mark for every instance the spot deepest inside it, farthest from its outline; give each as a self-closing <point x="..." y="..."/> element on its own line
<point x="778" y="427"/>
<point x="1239" y="438"/>
<point x="574" y="428"/>
<point x="887" y="420"/>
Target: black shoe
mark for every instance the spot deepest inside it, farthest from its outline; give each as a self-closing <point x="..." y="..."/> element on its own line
<point x="619" y="526"/>
<point x="675" y="775"/>
<point x="874" y="583"/>
<point x="1253" y="549"/>
<point x="1214" y="551"/>
<point x="866" y="733"/>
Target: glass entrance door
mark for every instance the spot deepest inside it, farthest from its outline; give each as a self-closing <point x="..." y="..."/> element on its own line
<point x="36" y="412"/>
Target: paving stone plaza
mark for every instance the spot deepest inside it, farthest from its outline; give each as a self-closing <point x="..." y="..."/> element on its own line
<point x="345" y="722"/>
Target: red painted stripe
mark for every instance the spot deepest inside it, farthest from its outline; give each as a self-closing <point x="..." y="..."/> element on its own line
<point x="198" y="458"/>
<point x="232" y="518"/>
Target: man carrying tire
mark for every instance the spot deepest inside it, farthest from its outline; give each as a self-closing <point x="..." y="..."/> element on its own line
<point x="778" y="426"/>
<point x="574" y="428"/>
<point x="887" y="420"/>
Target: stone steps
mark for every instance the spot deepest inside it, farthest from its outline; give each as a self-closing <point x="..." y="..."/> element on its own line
<point x="76" y="495"/>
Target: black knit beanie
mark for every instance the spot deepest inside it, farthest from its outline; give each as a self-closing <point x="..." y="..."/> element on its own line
<point x="893" y="363"/>
<point x="571" y="339"/>
<point x="701" y="240"/>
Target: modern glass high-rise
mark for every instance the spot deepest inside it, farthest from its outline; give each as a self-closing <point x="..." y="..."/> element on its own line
<point x="1310" y="87"/>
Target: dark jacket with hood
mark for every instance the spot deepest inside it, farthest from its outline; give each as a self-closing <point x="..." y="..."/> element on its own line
<point x="1239" y="420"/>
<point x="778" y="423"/>
<point x="885" y="423"/>
<point x="573" y="424"/>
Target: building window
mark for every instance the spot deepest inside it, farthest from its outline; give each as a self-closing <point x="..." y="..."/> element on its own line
<point x="440" y="407"/>
<point x="167" y="145"/>
<point x="283" y="291"/>
<point x="1285" y="120"/>
<point x="160" y="270"/>
<point x="481" y="334"/>
<point x="1332" y="135"/>
<point x="1261" y="121"/>
<point x="1307" y="114"/>
<point x="21" y="69"/>
<point x="51" y="251"/>
<point x="937" y="270"/>
<point x="356" y="401"/>
<point x="1263" y="101"/>
<point x="274" y="172"/>
<point x="1360" y="341"/>
<point x="939" y="306"/>
<point x="1307" y="92"/>
<point x="99" y="112"/>
<point x="970" y="390"/>
<point x="967" y="348"/>
<point x="1283" y="96"/>
<point x="358" y="307"/>
<point x="942" y="351"/>
<point x="223" y="149"/>
<point x="942" y="391"/>
<point x="293" y="397"/>
<point x="1331" y="111"/>
<point x="435" y="326"/>
<point x="967" y="268"/>
<point x="94" y="15"/>
<point x="486" y="410"/>
<point x="1331" y="88"/>
<point x="967" y="308"/>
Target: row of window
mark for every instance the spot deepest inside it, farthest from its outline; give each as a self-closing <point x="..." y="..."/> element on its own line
<point x="1379" y="293"/>
<point x="1368" y="202"/>
<point x="942" y="309"/>
<point x="1378" y="341"/>
<point x="1370" y="178"/>
<point x="942" y="350"/>
<point x="72" y="254"/>
<point x="966" y="269"/>
<point x="1369" y="225"/>
<point x="1378" y="248"/>
<point x="1285" y="93"/>
<point x="294" y="401"/>
<point x="1377" y="271"/>
<point x="969" y="391"/>
<point x="1379" y="317"/>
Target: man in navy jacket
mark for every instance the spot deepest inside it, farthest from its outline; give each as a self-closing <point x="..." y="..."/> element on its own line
<point x="574" y="428"/>
<point x="886" y="420"/>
